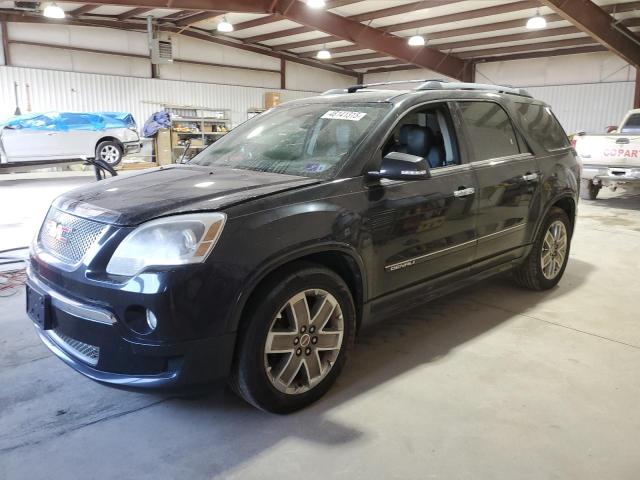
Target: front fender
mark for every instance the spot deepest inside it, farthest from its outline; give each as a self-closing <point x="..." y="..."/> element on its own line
<point x="267" y="240"/>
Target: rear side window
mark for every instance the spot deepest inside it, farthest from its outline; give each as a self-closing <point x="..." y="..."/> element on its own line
<point x="543" y="126"/>
<point x="489" y="129"/>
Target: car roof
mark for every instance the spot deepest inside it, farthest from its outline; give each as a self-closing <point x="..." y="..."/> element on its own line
<point x="361" y="96"/>
<point x="369" y="95"/>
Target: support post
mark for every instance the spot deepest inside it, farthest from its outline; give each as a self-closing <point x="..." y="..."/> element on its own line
<point x="283" y="74"/>
<point x="5" y="42"/>
<point x="636" y="97"/>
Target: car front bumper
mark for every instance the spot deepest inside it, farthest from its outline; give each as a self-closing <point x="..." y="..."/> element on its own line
<point x="608" y="175"/>
<point x="131" y="147"/>
<point x="89" y="339"/>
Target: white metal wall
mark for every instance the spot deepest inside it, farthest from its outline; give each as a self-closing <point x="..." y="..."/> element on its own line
<point x="72" y="91"/>
<point x="413" y="74"/>
<point x="590" y="107"/>
<point x="587" y="91"/>
<point x="119" y="44"/>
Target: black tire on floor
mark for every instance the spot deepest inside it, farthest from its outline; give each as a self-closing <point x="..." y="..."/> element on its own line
<point x="529" y="273"/>
<point x="588" y="191"/>
<point x="109" y="152"/>
<point x="249" y="374"/>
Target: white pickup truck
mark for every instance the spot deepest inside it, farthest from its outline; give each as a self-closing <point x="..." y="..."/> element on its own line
<point x="612" y="159"/>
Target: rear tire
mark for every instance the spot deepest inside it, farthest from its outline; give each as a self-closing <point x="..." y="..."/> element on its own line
<point x="588" y="191"/>
<point x="289" y="355"/>
<point x="110" y="152"/>
<point x="544" y="266"/>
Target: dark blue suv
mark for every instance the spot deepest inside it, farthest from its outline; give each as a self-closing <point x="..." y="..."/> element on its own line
<point x="258" y="260"/>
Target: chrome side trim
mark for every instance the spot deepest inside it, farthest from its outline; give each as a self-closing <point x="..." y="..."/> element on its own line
<point x="70" y="306"/>
<point x="412" y="261"/>
<point x="505" y="231"/>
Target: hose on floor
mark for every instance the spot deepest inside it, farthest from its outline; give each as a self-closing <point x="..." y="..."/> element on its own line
<point x="12" y="280"/>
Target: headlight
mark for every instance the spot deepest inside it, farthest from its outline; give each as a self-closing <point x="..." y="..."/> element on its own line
<point x="176" y="240"/>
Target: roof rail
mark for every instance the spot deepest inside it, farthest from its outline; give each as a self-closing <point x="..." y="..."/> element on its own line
<point x="444" y="85"/>
<point x="355" y="88"/>
<point x="436" y="84"/>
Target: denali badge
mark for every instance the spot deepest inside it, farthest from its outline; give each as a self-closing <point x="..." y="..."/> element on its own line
<point x="398" y="266"/>
<point x="56" y="231"/>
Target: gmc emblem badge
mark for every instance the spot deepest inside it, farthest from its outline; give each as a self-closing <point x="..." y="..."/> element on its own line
<point x="57" y="231"/>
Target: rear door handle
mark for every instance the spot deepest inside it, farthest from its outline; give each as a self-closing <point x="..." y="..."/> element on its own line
<point x="530" y="177"/>
<point x="464" y="192"/>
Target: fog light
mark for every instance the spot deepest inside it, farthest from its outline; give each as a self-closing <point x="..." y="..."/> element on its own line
<point x="152" y="321"/>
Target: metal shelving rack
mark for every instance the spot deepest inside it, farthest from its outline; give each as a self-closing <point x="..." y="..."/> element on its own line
<point x="195" y="128"/>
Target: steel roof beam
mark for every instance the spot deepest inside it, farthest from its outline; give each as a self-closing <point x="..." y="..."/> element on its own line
<point x="244" y="6"/>
<point x="198" y="17"/>
<point x="571" y="42"/>
<point x="195" y="33"/>
<point x="370" y="38"/>
<point x="362" y="17"/>
<point x="135" y="12"/>
<point x="598" y="24"/>
<point x="545" y="54"/>
<point x="82" y="10"/>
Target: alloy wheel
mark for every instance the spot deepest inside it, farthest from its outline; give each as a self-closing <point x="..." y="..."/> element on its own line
<point x="304" y="341"/>
<point x="554" y="250"/>
<point x="110" y="154"/>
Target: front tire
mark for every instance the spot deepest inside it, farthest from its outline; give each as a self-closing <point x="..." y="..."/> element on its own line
<point x="544" y="266"/>
<point x="298" y="330"/>
<point x="110" y="152"/>
<point x="588" y="191"/>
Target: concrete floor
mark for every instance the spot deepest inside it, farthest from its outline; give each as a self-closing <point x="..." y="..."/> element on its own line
<point x="492" y="382"/>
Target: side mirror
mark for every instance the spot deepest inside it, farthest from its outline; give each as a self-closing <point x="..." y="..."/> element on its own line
<point x="612" y="129"/>
<point x="402" y="166"/>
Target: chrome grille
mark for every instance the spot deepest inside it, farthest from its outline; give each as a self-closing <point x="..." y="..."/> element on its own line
<point x="68" y="237"/>
<point x="88" y="353"/>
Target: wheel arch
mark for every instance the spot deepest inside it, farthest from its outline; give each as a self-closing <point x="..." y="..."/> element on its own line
<point x="109" y="138"/>
<point x="341" y="259"/>
<point x="565" y="202"/>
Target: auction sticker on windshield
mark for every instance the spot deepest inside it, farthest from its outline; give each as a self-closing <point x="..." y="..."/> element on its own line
<point x="344" y="115"/>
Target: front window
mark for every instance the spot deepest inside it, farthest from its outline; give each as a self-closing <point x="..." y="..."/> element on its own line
<point x="632" y="125"/>
<point x="310" y="140"/>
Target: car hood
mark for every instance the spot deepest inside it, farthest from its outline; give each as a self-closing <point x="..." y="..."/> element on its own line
<point x="136" y="198"/>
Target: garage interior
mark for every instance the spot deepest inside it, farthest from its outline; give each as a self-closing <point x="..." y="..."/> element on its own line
<point x="491" y="381"/>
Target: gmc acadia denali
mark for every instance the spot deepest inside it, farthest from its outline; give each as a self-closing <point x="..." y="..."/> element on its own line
<point x="258" y="260"/>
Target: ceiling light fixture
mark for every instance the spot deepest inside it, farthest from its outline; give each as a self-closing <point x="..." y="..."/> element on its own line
<point x="416" y="41"/>
<point x="316" y="3"/>
<point x="53" y="11"/>
<point x="224" y="26"/>
<point x="536" y="22"/>
<point x="323" y="54"/>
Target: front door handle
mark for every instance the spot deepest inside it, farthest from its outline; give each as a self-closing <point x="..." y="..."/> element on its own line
<point x="622" y="141"/>
<point x="464" y="192"/>
<point x="530" y="177"/>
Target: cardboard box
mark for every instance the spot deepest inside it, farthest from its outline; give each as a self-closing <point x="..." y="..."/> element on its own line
<point x="271" y="99"/>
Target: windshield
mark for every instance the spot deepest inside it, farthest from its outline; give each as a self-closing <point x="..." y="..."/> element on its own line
<point x="307" y="140"/>
<point x="632" y="125"/>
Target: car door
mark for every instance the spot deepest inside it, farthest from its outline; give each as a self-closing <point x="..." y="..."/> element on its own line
<point x="422" y="229"/>
<point x="508" y="181"/>
<point x="82" y="131"/>
<point x="26" y="144"/>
